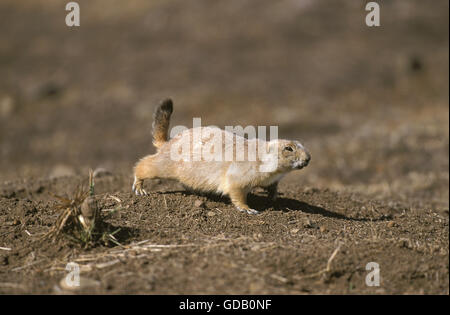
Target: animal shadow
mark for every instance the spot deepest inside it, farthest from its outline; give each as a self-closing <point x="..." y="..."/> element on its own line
<point x="288" y="204"/>
<point x="262" y="203"/>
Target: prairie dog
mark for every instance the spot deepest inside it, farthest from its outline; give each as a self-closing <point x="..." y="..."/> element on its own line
<point x="233" y="177"/>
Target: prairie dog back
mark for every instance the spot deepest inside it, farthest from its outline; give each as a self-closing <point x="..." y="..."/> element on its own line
<point x="213" y="160"/>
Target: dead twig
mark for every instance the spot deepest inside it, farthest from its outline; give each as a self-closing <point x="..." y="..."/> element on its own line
<point x="323" y="271"/>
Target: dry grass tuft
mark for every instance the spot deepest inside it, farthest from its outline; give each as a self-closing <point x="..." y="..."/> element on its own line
<point x="80" y="219"/>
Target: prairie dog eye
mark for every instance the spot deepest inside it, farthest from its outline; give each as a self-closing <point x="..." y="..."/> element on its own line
<point x="288" y="149"/>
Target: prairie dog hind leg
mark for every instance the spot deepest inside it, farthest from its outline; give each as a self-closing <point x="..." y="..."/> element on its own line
<point x="146" y="168"/>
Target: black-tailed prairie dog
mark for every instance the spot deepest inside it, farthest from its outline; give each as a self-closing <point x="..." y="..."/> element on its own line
<point x="209" y="159"/>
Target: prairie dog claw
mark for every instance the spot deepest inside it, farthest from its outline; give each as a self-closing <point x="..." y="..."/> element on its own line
<point x="137" y="188"/>
<point x="249" y="211"/>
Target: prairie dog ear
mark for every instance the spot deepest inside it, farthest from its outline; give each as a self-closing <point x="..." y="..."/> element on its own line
<point x="299" y="145"/>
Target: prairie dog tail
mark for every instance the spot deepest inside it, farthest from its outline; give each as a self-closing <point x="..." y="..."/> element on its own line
<point x="161" y="120"/>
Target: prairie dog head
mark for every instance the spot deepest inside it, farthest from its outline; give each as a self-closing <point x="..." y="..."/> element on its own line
<point x="292" y="155"/>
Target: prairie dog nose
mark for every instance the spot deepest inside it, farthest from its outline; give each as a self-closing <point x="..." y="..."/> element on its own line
<point x="308" y="157"/>
<point x="305" y="160"/>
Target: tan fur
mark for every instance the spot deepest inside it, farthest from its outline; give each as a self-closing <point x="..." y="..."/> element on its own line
<point x="233" y="178"/>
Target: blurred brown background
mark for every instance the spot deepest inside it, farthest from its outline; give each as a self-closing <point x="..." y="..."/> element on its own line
<point x="371" y="104"/>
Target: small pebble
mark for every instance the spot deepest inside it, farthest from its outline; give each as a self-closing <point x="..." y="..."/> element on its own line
<point x="89" y="207"/>
<point x="405" y="243"/>
<point x="391" y="224"/>
<point x="307" y="223"/>
<point x="199" y="203"/>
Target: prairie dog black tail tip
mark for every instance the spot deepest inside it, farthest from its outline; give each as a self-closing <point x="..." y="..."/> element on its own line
<point x="161" y="122"/>
<point x="166" y="106"/>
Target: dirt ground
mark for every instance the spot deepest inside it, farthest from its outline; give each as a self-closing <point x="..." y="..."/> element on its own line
<point x="371" y="104"/>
